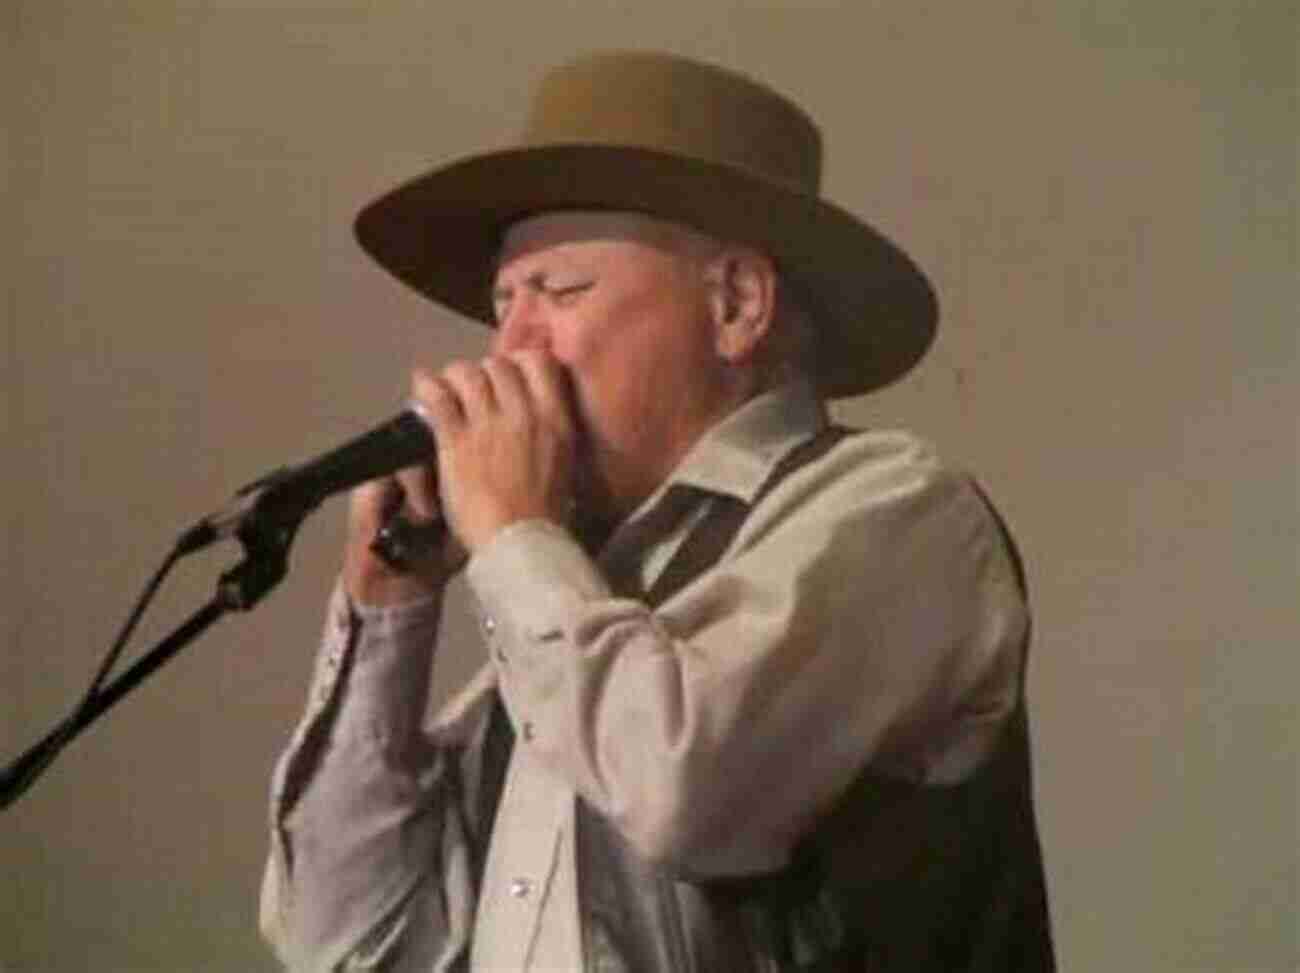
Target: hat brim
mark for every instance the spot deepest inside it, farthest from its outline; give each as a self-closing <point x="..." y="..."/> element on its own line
<point x="875" y="312"/>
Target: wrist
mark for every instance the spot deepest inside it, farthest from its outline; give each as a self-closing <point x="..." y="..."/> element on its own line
<point x="389" y="592"/>
<point x="479" y="532"/>
<point x="371" y="583"/>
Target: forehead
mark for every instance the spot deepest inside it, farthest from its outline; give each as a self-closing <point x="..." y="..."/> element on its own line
<point x="563" y="232"/>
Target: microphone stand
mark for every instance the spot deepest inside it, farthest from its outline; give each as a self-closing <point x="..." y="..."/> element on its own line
<point x="266" y="532"/>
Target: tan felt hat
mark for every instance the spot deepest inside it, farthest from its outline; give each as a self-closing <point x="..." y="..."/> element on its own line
<point x="683" y="141"/>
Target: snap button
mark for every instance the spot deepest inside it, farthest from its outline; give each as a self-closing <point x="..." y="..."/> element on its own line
<point x="521" y="888"/>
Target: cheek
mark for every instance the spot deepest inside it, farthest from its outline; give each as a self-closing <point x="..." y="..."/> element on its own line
<point x="632" y="389"/>
<point x="631" y="359"/>
<point x="601" y="365"/>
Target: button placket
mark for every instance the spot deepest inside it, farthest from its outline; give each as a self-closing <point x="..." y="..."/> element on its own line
<point x="489" y="627"/>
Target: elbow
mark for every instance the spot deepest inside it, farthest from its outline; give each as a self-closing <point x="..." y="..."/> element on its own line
<point x="650" y="811"/>
<point x="685" y="834"/>
<point x="659" y="836"/>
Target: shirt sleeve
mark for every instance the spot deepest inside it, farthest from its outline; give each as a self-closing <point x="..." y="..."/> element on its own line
<point x="866" y="614"/>
<point x="370" y="824"/>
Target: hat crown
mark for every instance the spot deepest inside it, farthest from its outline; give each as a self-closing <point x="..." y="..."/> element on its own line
<point x="683" y="141"/>
<point x="662" y="103"/>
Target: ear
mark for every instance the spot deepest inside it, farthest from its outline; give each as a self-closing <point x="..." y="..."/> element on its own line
<point x="742" y="302"/>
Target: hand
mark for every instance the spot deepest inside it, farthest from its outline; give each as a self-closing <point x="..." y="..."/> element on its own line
<point x="368" y="578"/>
<point x="506" y="441"/>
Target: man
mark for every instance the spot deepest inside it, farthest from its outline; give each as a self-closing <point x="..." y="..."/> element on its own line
<point x="753" y="697"/>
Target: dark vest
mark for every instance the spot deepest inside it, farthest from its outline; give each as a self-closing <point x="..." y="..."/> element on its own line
<point x="956" y="887"/>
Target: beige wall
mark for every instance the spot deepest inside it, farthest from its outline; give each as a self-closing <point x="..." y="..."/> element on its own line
<point x="1104" y="192"/>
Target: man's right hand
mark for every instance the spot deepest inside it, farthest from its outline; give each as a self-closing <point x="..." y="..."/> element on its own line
<point x="369" y="580"/>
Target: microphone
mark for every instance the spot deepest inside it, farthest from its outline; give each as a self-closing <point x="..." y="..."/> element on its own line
<point x="283" y="497"/>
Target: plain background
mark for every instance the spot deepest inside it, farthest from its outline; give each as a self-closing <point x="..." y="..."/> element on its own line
<point x="1104" y="193"/>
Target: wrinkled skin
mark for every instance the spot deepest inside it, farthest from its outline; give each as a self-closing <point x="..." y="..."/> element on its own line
<point x="620" y="339"/>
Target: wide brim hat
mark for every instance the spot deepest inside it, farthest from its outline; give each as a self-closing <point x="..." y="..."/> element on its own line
<point x="683" y="141"/>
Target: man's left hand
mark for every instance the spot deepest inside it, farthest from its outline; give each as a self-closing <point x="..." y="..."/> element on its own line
<point x="507" y="436"/>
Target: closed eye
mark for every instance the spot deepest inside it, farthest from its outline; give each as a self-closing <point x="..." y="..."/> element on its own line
<point x="568" y="293"/>
<point x="561" y="295"/>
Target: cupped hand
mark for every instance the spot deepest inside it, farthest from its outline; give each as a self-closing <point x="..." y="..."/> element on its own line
<point x="507" y="435"/>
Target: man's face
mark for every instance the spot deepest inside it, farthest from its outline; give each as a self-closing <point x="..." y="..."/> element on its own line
<point x="623" y="303"/>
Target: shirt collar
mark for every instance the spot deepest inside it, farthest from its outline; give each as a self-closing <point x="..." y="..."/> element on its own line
<point x="736" y="456"/>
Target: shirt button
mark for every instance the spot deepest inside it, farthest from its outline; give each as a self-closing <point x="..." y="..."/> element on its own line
<point x="489" y="625"/>
<point x="527" y="729"/>
<point x="521" y="888"/>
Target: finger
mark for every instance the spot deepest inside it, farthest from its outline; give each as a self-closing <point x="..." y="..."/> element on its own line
<point x="509" y="387"/>
<point x="548" y="387"/>
<point x="370" y="502"/>
<point x="439" y="405"/>
<point x="470" y="383"/>
<point x="420" y="492"/>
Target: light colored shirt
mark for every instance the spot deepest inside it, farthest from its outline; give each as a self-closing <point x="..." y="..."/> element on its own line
<point x="866" y="613"/>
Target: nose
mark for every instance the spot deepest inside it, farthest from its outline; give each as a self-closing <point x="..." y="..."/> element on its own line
<point x="522" y="326"/>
